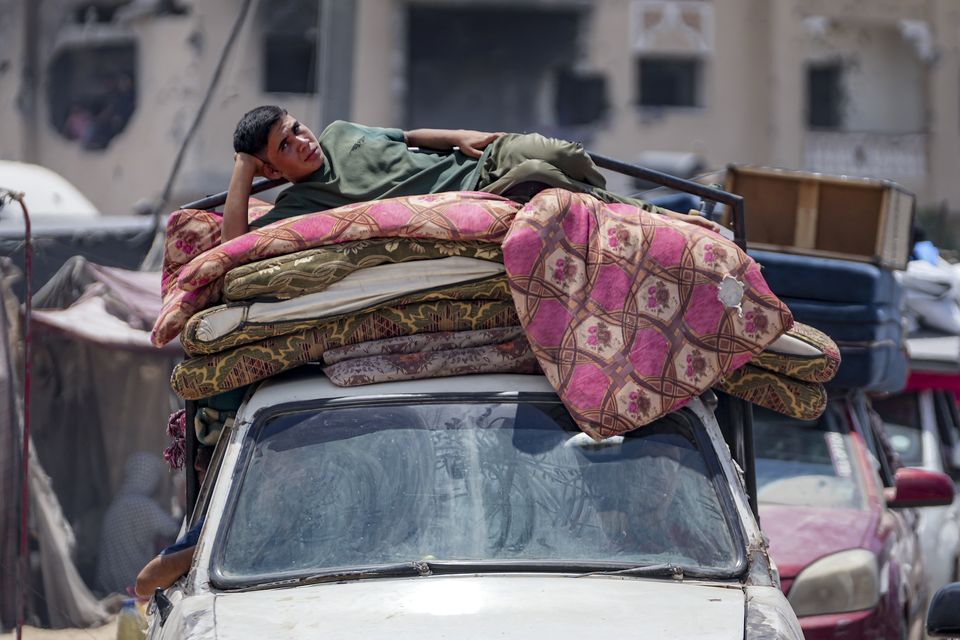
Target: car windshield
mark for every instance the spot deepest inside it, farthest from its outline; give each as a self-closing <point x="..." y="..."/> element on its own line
<point x="901" y="421"/>
<point x="801" y="463"/>
<point x="470" y="484"/>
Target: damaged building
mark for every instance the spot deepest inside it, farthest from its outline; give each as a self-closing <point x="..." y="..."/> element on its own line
<point x="103" y="91"/>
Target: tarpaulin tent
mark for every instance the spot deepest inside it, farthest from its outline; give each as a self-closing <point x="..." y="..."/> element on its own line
<point x="100" y="393"/>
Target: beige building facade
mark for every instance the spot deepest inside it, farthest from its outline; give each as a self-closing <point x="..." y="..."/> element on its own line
<point x="859" y="87"/>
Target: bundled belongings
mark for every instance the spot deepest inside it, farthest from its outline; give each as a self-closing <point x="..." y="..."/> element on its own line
<point x="856" y="304"/>
<point x="932" y="297"/>
<point x="828" y="246"/>
<point x="628" y="313"/>
<point x="932" y="304"/>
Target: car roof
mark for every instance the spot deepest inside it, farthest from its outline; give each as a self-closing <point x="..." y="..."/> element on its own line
<point x="308" y="383"/>
<point x="45" y="192"/>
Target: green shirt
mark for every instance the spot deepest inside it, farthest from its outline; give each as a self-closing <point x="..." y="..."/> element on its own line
<point x="369" y="163"/>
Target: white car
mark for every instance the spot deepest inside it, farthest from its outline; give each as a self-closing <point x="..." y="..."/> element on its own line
<point x="469" y="507"/>
<point x="47" y="193"/>
<point x="923" y="429"/>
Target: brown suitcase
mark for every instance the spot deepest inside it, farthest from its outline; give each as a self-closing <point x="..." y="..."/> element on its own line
<point x="831" y="216"/>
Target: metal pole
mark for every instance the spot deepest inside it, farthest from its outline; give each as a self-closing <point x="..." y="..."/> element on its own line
<point x="23" y="565"/>
<point x="749" y="462"/>
<point x="732" y="200"/>
<point x="218" y="199"/>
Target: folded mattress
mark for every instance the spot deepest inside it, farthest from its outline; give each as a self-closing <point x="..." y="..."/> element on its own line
<point x="205" y="376"/>
<point x="363" y="289"/>
<point x="302" y="272"/>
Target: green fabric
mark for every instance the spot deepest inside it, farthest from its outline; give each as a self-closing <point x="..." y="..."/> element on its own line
<point x="312" y="270"/>
<point x="519" y="161"/>
<point x="370" y="163"/>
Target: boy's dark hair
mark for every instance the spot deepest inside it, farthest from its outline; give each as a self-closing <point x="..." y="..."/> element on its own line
<point x="254" y="127"/>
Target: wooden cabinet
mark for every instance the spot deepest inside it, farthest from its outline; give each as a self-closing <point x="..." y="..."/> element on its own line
<point x="832" y="216"/>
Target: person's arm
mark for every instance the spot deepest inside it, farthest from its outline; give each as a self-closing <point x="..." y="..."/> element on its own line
<point x="471" y="143"/>
<point x="163" y="571"/>
<point x="692" y="218"/>
<point x="245" y="168"/>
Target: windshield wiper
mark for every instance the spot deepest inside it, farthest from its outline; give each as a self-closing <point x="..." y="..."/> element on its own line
<point x="398" y="570"/>
<point x="644" y="571"/>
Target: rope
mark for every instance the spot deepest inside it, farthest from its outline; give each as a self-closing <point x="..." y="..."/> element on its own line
<point x="181" y="152"/>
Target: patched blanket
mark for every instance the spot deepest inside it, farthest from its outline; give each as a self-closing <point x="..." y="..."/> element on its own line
<point x="631" y="314"/>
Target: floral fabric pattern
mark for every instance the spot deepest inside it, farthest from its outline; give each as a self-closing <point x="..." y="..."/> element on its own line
<point x="513" y="356"/>
<point x="191" y="232"/>
<point x="195" y="343"/>
<point x="461" y="216"/>
<point x="205" y="376"/>
<point x="818" y="368"/>
<point x="620" y="306"/>
<point x="777" y="392"/>
<point x="313" y="270"/>
<point x="423" y="342"/>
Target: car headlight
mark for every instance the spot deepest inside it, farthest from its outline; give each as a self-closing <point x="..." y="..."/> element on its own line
<point x="838" y="583"/>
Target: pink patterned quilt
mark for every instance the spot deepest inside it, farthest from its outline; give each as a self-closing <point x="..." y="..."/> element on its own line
<point x="194" y="268"/>
<point x="621" y="307"/>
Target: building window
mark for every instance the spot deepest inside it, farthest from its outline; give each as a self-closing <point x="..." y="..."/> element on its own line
<point x="669" y="82"/>
<point x="92" y="93"/>
<point x="290" y="29"/>
<point x="826" y="97"/>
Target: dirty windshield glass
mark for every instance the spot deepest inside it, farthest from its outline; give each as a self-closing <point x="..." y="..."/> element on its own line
<point x="804" y="463"/>
<point x="343" y="488"/>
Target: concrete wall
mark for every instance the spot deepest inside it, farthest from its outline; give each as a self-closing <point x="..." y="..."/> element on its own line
<point x="754" y="54"/>
<point x="176" y="59"/>
<point x="12" y="18"/>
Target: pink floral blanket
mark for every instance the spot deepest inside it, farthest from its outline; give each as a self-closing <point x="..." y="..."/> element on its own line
<point x="195" y="262"/>
<point x="623" y="310"/>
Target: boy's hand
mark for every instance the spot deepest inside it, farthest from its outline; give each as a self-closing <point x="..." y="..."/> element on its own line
<point x="249" y="164"/>
<point x="472" y="143"/>
<point x="693" y="218"/>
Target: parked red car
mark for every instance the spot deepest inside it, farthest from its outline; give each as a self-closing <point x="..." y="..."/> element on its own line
<point x="848" y="556"/>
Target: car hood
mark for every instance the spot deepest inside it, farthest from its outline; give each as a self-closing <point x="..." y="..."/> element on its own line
<point x="800" y="535"/>
<point x="513" y="606"/>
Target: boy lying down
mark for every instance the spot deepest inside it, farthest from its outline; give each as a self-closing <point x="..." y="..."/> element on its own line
<point x="352" y="163"/>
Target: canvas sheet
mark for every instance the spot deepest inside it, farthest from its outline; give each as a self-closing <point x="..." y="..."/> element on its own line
<point x="296" y="274"/>
<point x="357" y="291"/>
<point x="205" y="376"/>
<point x="623" y="307"/>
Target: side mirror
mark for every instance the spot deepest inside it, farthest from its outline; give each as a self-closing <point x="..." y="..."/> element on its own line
<point x="920" y="488"/>
<point x="943" y="617"/>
